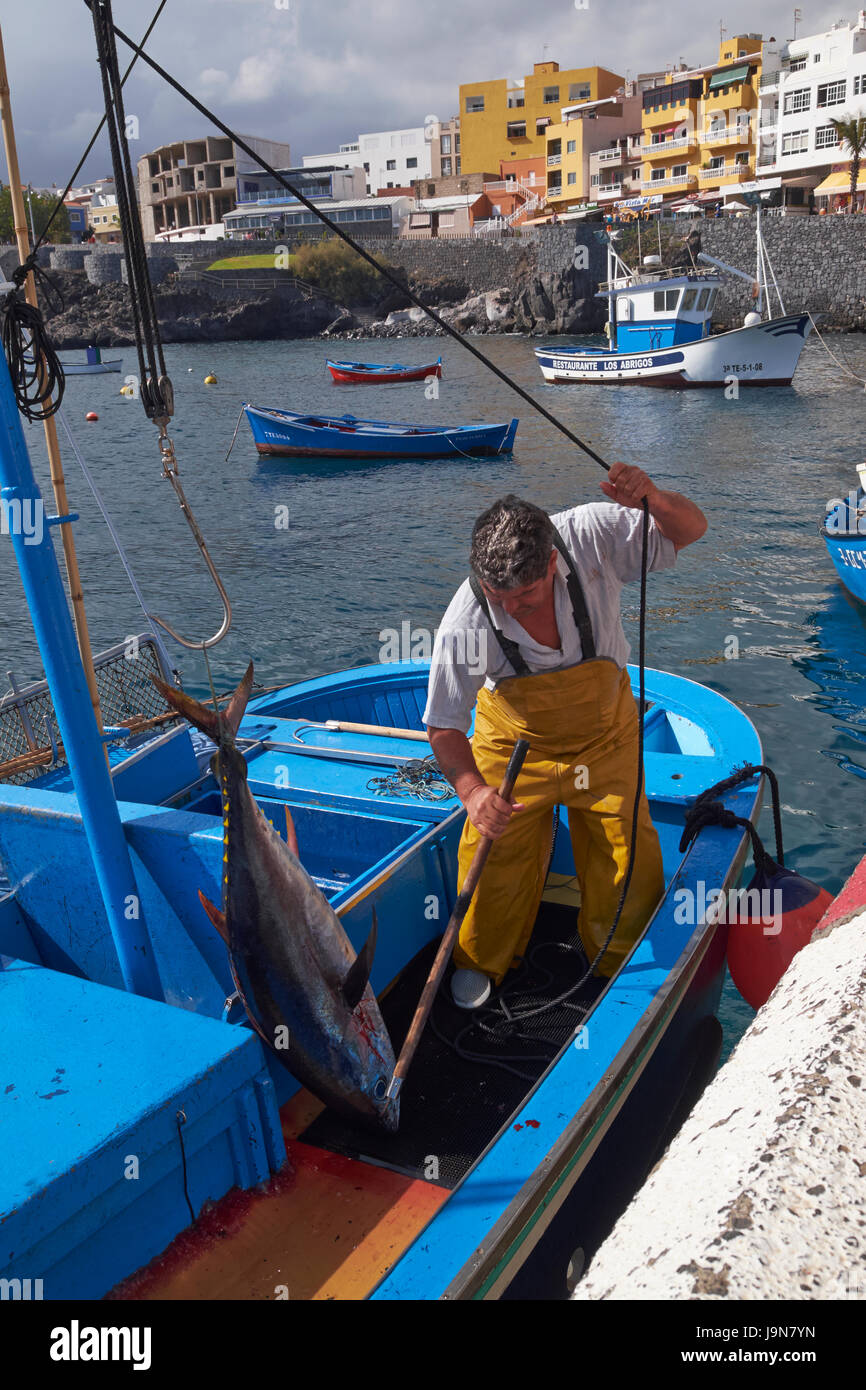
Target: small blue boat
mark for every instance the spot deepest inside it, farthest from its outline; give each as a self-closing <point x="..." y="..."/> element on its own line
<point x="844" y="532"/>
<point x="283" y="432"/>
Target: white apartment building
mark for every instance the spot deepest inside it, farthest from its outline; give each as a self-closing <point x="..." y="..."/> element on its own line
<point x="345" y="158"/>
<point x="805" y="83"/>
<point x="393" y="158"/>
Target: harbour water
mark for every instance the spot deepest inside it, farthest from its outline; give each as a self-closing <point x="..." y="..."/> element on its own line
<point x="323" y="559"/>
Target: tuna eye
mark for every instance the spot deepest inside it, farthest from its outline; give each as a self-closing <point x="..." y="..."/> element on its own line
<point x="380" y="1088"/>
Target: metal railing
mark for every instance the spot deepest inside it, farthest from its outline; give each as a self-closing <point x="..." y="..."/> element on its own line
<point x="727" y="170"/>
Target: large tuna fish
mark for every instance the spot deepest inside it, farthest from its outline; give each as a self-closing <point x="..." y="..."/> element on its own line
<point x="303" y="987"/>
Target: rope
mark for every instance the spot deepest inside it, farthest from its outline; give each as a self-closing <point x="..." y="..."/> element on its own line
<point x="88" y="478"/>
<point x="38" y="379"/>
<point x="845" y="368"/>
<point x="420" y="778"/>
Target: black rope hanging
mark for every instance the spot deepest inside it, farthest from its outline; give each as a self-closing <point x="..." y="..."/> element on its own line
<point x="157" y="395"/>
<point x="36" y="371"/>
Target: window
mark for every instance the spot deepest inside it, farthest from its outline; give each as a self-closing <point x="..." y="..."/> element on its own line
<point x="795" y="143"/>
<point x="551" y="96"/>
<point x="831" y="93"/>
<point x="797" y="65"/>
<point x="579" y="91"/>
<point x="412" y="163"/>
<point x="825" y="137"/>
<point x="154" y="188"/>
<point x="680" y="171"/>
<point x="571" y="146"/>
<point x="689" y="300"/>
<point x="366" y="168"/>
<point x="516" y="130"/>
<point x="860" y="85"/>
<point x="391" y="164"/>
<point x="593" y="179"/>
<point x="665" y="301"/>
<point x="657" y="175"/>
<point x="229" y="171"/>
<point x="474" y="104"/>
<point x="717" y="162"/>
<point x="702" y="302"/>
<point x="457" y="144"/>
<point x="457" y="165"/>
<point x="816" y="57"/>
<point x="446" y="166"/>
<point x="800" y="100"/>
<point x="572" y="178"/>
<point x="446" y="144"/>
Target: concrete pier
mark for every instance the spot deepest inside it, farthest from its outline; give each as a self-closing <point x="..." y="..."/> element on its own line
<point x="762" y="1195"/>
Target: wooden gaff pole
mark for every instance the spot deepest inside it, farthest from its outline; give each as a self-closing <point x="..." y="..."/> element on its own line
<point x="58" y="480"/>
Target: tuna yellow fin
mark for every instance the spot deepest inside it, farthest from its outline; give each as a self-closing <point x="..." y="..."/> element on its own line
<point x="217" y="918"/>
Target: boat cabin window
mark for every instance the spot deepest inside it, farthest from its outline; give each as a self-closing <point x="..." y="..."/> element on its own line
<point x="689" y="300"/>
<point x="702" y="302"/>
<point x="665" y="301"/>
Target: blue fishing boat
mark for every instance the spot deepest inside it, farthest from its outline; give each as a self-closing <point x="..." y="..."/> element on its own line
<point x="844" y="532"/>
<point x="283" y="432"/>
<point x="93" y="365"/>
<point x="373" y="373"/>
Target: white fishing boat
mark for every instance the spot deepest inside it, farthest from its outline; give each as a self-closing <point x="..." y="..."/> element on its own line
<point x="660" y="330"/>
<point x="95" y="365"/>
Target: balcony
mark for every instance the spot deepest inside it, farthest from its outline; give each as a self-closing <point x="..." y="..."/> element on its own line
<point x="727" y="135"/>
<point x="686" y="181"/>
<point x="608" y="156"/>
<point x="727" y="171"/>
<point x="660" y="149"/>
<point x="554" y="161"/>
<point x="769" y="82"/>
<point x="608" y="190"/>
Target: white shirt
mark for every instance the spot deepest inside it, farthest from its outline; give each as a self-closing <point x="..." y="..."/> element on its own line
<point x="604" y="540"/>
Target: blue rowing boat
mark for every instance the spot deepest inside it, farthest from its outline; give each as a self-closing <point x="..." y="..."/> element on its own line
<point x="493" y="1179"/>
<point x="844" y="532"/>
<point x="283" y="432"/>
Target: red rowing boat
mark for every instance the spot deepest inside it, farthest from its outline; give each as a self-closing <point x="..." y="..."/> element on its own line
<point x="350" y="373"/>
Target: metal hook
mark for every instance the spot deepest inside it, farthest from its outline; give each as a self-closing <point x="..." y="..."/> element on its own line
<point x="171" y="472"/>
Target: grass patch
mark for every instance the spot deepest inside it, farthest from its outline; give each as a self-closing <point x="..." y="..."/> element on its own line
<point x="252" y="263"/>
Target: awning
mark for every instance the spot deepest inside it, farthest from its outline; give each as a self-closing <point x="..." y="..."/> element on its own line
<point x="728" y="77"/>
<point x="840" y="182"/>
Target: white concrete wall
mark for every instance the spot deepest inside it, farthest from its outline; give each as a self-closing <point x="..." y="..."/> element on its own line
<point x="762" y="1195"/>
<point x="381" y="147"/>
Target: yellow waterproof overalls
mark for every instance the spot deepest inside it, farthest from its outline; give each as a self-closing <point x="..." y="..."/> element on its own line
<point x="581" y="724"/>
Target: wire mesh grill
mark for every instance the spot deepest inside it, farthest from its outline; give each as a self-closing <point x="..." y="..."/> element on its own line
<point x="29" y="733"/>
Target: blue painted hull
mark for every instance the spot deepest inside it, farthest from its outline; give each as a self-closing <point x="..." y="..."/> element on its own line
<point x="285" y="433"/>
<point x="845" y="538"/>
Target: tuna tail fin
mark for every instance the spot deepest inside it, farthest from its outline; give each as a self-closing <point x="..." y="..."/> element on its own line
<point x="221" y="727"/>
<point x="359" y="972"/>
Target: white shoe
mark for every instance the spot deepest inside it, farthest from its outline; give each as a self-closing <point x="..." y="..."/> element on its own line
<point x="470" y="988"/>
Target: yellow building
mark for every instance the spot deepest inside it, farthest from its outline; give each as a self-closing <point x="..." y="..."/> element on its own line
<point x="609" y="129"/>
<point x="700" y="127"/>
<point x="104" y="222"/>
<point x="502" y="120"/>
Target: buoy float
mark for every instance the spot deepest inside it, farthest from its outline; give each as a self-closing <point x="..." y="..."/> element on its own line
<point x="763" y="942"/>
<point x="127" y="391"/>
<point x="210" y="380"/>
<point x="91" y="415"/>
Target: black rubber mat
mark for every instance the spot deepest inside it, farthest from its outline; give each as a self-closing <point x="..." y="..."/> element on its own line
<point x="453" y="1106"/>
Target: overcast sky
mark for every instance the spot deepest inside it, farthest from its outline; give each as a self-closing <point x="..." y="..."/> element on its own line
<point x="317" y="72"/>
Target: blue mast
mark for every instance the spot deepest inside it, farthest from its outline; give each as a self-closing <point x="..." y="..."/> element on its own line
<point x="46" y="600"/>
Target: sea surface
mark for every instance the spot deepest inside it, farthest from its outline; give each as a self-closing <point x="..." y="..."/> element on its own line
<point x="321" y="558"/>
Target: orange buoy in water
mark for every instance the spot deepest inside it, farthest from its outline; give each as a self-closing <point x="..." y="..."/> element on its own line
<point x="91" y="415"/>
<point x="782" y="909"/>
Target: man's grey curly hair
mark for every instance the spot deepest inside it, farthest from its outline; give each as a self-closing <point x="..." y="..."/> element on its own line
<point x="511" y="544"/>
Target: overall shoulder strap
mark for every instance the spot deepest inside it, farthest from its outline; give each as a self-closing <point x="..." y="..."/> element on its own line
<point x="510" y="650"/>
<point x="578" y="601"/>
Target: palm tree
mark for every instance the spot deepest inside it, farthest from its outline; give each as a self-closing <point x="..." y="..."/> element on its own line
<point x="852" y="137"/>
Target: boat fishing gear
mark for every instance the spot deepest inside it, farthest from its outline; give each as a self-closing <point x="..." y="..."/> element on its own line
<point x="775" y="915"/>
<point x="38" y="379"/>
<point x="419" y="778"/>
<point x="155" y="387"/>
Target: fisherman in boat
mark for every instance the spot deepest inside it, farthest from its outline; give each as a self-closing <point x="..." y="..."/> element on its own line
<point x="535" y="636"/>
